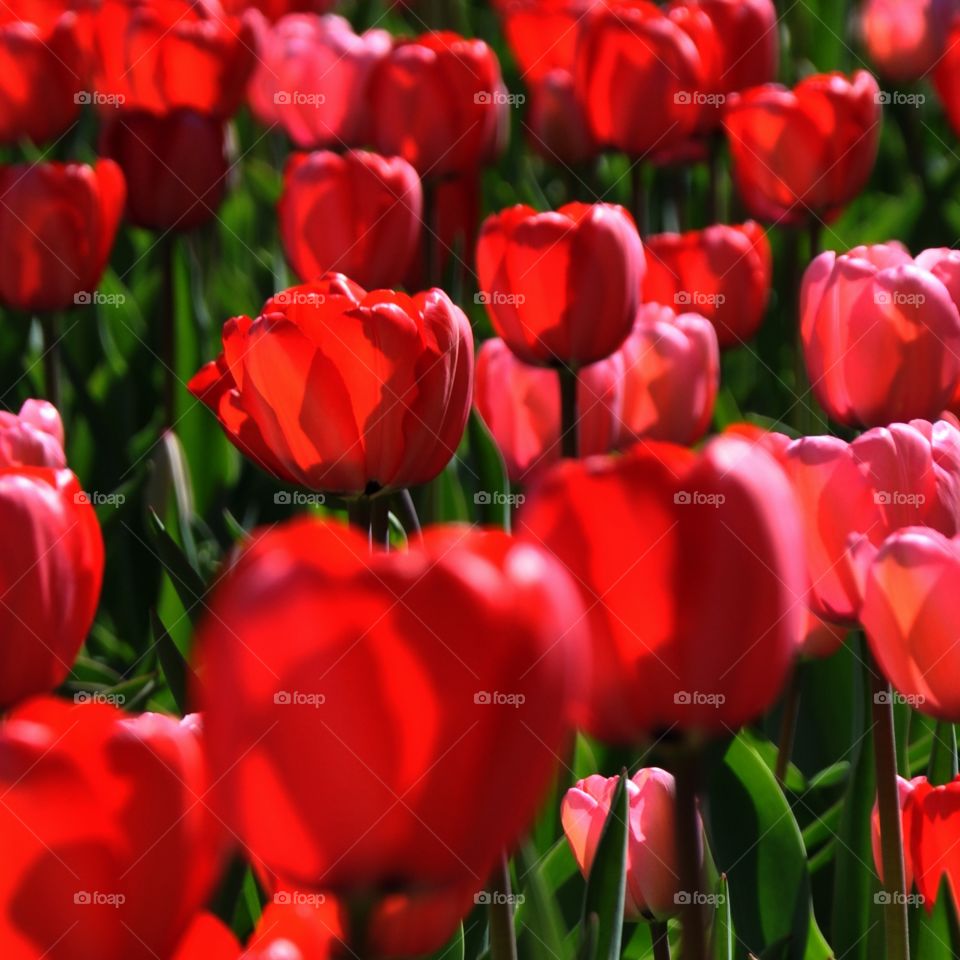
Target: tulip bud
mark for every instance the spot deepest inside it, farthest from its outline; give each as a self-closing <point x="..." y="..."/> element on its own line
<point x="32" y="438"/>
<point x="905" y="38"/>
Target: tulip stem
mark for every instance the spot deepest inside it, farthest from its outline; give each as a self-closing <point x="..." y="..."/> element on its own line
<point x="431" y="265"/>
<point x="660" y="936"/>
<point x="503" y="938"/>
<point x="638" y="196"/>
<point x="713" y="179"/>
<point x="888" y="802"/>
<point x="168" y="327"/>
<point x="687" y="776"/>
<point x="569" y="420"/>
<point x="788" y="725"/>
<point x="50" y="325"/>
<point x="407" y="513"/>
<point x="370" y="516"/>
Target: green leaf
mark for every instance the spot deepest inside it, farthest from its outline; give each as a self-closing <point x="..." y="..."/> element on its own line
<point x="935" y="936"/>
<point x="491" y="488"/>
<point x="723" y="935"/>
<point x="186" y="581"/>
<point x="454" y="950"/>
<point x="943" y="755"/>
<point x="176" y="671"/>
<point x="542" y="921"/>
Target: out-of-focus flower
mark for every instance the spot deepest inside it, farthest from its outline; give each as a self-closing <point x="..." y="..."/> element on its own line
<point x="33" y="437"/>
<point x="557" y="127"/>
<point x="905" y="39"/>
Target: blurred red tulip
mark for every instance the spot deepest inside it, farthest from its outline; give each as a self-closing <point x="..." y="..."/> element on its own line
<point x="804" y="153"/>
<point x="273" y="10"/>
<point x="298" y="931"/>
<point x="312" y="77"/>
<point x="57" y="226"/>
<point x="556" y="125"/>
<point x="931" y="819"/>
<point x="207" y="939"/>
<point x="640" y="74"/>
<point x="50" y="575"/>
<point x="357" y="214"/>
<point x="652" y="865"/>
<point x="904" y="789"/>
<point x="469" y="649"/>
<point x="542" y="34"/>
<point x="109" y="849"/>
<point x="905" y="38"/>
<point x="440" y="103"/>
<point x="946" y="76"/>
<point x="33" y="437"/>
<point x="44" y="70"/>
<point x="723" y="273"/>
<point x="175" y="166"/>
<point x="163" y="55"/>
<point x="852" y="496"/>
<point x="692" y="572"/>
<point x="563" y="287"/>
<point x="342" y="390"/>
<point x="881" y="336"/>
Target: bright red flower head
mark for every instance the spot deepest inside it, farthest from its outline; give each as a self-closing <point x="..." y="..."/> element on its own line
<point x="906" y="39"/>
<point x="275" y="9"/>
<point x="542" y="34"/>
<point x="881" y="336"/>
<point x="57" y="226"/>
<point x="931" y="821"/>
<point x="563" y="287"/>
<point x="356" y="213"/>
<point x="806" y="152"/>
<point x="207" y="939"/>
<point x="692" y="573"/>
<point x="723" y="273"/>
<point x="440" y="103"/>
<point x="109" y="848"/>
<point x="342" y="390"/>
<point x="468" y="650"/>
<point x="33" y="437"/>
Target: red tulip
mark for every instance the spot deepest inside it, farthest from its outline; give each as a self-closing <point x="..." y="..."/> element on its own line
<point x="561" y="288"/>
<point x="806" y="152"/>
<point x="556" y="125"/>
<point x="342" y="390"/>
<point x="175" y="166"/>
<point x="57" y="225"/>
<point x="931" y="818"/>
<point x="723" y="273"/>
<point x="905" y="38"/>
<point x="207" y="939"/>
<point x="109" y="849"/>
<point x="904" y="789"/>
<point x="312" y="78"/>
<point x="652" y="865"/>
<point x="946" y="76"/>
<point x="881" y="336"/>
<point x="852" y="496"/>
<point x="298" y="931"/>
<point x="440" y="103"/>
<point x="357" y="214"/>
<point x="33" y="437"/>
<point x="692" y="573"/>
<point x="469" y="649"/>
<point x="165" y="55"/>
<point x="44" y="71"/>
<point x="50" y="575"/>
<point x="275" y="9"/>
<point x="542" y="34"/>
<point x="640" y="73"/>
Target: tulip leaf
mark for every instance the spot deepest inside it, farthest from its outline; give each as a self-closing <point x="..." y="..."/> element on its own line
<point x="540" y="927"/>
<point x="491" y="488"/>
<point x="607" y="883"/>
<point x="176" y="671"/>
<point x="722" y="935"/>
<point x="757" y="844"/>
<point x="455" y="949"/>
<point x="186" y="581"/>
<point x="943" y="754"/>
<point x="935" y="935"/>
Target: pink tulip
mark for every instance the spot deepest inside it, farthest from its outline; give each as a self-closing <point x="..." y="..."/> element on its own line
<point x="905" y="38"/>
<point x="33" y="437"/>
<point x="312" y="77"/>
<point x="881" y="336"/>
<point x="652" y="870"/>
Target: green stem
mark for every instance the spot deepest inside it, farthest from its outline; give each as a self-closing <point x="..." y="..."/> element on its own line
<point x="687" y="775"/>
<point x="503" y="939"/>
<point x="788" y="725"/>
<point x="660" y="936"/>
<point x="407" y="512"/>
<point x="431" y="249"/>
<point x="50" y="324"/>
<point x="569" y="420"/>
<point x="638" y="196"/>
<point x="168" y="326"/>
<point x="369" y="516"/>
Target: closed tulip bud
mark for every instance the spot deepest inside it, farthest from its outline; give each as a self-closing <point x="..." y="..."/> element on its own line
<point x="175" y="166"/>
<point x="723" y="273"/>
<point x="905" y="38"/>
<point x="356" y="213"/>
<point x="881" y="336"/>
<point x="440" y="103"/>
<point x="561" y="288"/>
<point x="50" y="576"/>
<point x="312" y="78"/>
<point x="33" y="437"/>
<point x="542" y="34"/>
<point x="691" y="568"/>
<point x="342" y="390"/>
<point x="102" y="813"/>
<point x="556" y="124"/>
<point x="473" y="677"/>
<point x="652" y="868"/>
<point x="805" y="153"/>
<point x="44" y="70"/>
<point x="57" y="226"/>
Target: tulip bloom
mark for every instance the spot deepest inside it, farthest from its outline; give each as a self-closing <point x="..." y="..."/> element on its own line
<point x="904" y="789"/>
<point x="312" y="78"/>
<point x="556" y="124"/>
<point x="639" y="74"/>
<point x="357" y="214"/>
<point x="33" y="437"/>
<point x="50" y="576"/>
<point x="905" y="38"/>
<point x="109" y="848"/>
<point x="653" y="873"/>
<point x="175" y="166"/>
<point x="692" y="571"/>
<point x="723" y="273"/>
<point x="806" y="152"/>
<point x="43" y="67"/>
<point x="946" y="76"/>
<point x="931" y="819"/>
<point x="881" y="336"/>
<point x="207" y="939"/>
<point x="342" y="390"/>
<point x="440" y="103"/>
<point x="561" y="288"/>
<point x="275" y="9"/>
<point x="542" y="34"/>
<point x="297" y="930"/>
<point x="469" y="647"/>
<point x="57" y="226"/>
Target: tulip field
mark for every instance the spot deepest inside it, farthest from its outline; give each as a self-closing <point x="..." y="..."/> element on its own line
<point x="479" y="480"/>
